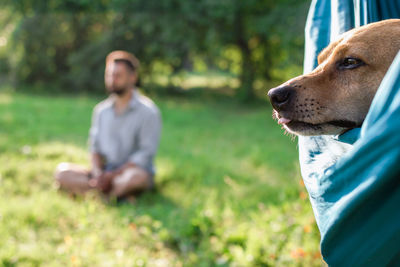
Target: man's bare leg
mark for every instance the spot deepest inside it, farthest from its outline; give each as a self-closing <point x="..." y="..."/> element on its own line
<point x="130" y="180"/>
<point x="72" y="178"/>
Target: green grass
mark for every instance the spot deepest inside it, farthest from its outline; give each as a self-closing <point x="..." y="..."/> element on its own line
<point x="228" y="190"/>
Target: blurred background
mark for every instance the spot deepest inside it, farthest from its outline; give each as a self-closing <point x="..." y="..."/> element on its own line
<point x="245" y="46"/>
<point x="228" y="189"/>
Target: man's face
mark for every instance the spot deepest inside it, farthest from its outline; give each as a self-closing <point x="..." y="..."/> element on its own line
<point x="119" y="78"/>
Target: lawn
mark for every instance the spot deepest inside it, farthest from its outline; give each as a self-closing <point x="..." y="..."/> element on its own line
<point x="228" y="190"/>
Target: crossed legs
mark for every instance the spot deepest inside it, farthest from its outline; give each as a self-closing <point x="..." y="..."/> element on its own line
<point x="74" y="178"/>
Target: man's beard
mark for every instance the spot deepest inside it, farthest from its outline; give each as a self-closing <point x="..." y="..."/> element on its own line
<point x="119" y="90"/>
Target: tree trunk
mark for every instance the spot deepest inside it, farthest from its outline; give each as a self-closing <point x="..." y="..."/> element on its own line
<point x="246" y="91"/>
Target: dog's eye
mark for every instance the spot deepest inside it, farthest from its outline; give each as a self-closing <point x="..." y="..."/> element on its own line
<point x="350" y="63"/>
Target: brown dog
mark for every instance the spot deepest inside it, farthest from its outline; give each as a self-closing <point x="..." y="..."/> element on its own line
<point x="336" y="96"/>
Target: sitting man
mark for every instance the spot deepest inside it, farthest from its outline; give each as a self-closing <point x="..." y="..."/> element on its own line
<point x="124" y="137"/>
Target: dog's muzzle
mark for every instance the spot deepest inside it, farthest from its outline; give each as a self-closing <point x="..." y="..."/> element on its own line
<point x="281" y="97"/>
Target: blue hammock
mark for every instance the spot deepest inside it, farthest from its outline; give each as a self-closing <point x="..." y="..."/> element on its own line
<point x="353" y="180"/>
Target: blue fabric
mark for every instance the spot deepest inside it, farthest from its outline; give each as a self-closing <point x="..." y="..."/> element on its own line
<point x="354" y="179"/>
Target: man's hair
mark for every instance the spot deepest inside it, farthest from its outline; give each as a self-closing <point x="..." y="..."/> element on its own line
<point x="130" y="61"/>
<point x="128" y="58"/>
<point x="127" y="63"/>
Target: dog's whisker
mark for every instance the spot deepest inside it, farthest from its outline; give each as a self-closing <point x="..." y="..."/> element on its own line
<point x="332" y="91"/>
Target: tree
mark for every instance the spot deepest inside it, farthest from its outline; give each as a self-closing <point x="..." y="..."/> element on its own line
<point x="65" y="42"/>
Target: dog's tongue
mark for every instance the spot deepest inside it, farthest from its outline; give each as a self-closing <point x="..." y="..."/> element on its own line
<point x="283" y="121"/>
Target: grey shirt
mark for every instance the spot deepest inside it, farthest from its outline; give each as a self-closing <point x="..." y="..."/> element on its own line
<point x="129" y="137"/>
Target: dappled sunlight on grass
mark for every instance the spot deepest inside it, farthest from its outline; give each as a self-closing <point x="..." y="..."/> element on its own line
<point x="227" y="191"/>
<point x="5" y="98"/>
<point x="208" y="81"/>
<point x="189" y="81"/>
<point x="58" y="151"/>
<point x="165" y="169"/>
<point x="31" y="168"/>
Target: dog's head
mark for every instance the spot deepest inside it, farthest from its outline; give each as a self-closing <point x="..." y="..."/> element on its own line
<point x="336" y="96"/>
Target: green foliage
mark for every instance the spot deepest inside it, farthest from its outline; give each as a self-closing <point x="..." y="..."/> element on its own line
<point x="228" y="191"/>
<point x="65" y="42"/>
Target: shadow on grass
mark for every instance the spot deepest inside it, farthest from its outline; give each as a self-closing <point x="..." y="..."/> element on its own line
<point x="158" y="217"/>
<point x="226" y="185"/>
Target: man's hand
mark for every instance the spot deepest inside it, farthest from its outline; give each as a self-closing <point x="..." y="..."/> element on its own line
<point x="104" y="181"/>
<point x="95" y="174"/>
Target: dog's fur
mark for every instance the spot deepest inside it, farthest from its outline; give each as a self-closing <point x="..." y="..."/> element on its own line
<point x="336" y="96"/>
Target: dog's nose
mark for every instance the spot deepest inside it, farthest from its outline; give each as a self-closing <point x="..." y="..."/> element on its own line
<point x="280" y="97"/>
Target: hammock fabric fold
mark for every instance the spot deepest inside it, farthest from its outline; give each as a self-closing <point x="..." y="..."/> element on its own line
<point x="353" y="180"/>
